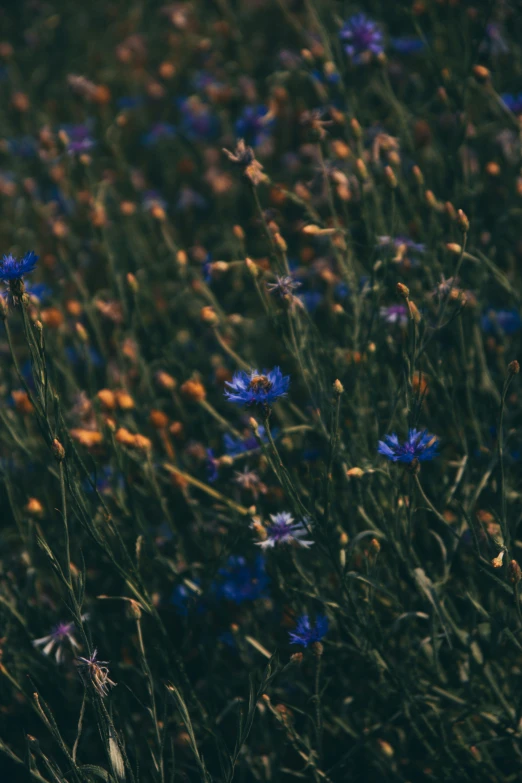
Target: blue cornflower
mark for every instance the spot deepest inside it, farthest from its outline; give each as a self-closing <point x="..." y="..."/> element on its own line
<point x="419" y="445"/>
<point x="56" y="642"/>
<point x="284" y="286"/>
<point x="254" y="124"/>
<point x="513" y="102"/>
<point x="198" y="122"/>
<point x="361" y="35"/>
<point x="184" y="598"/>
<point x="158" y="132"/>
<point x="506" y="321"/>
<point x="234" y="446"/>
<point x="284" y="530"/>
<point x="242" y="582"/>
<point x="306" y="634"/>
<point x="263" y="389"/>
<point x="12" y="268"/>
<point x="408" y="44"/>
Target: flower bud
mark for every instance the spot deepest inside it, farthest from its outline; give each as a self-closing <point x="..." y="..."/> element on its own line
<point x="454" y="248"/>
<point x="513" y="367"/>
<point x="194" y="390"/>
<point x="356" y="128"/>
<point x="338" y="387"/>
<point x="462" y="221"/>
<point x="58" y="450"/>
<point x="481" y="73"/>
<point x="132" y="282"/>
<point x="389" y="175"/>
<point x="418" y="175"/>
<point x="403" y="290"/>
<point x="355" y="473"/>
<point x="360" y="167"/>
<point x="166" y="381"/>
<point x="414" y="312"/>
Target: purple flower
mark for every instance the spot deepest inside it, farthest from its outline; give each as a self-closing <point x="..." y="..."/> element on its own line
<point x="56" y="642"/>
<point x="198" y="123"/>
<point x="306" y="634"/>
<point x="419" y="445"/>
<point x="184" y="597"/>
<point x="12" y="268"/>
<point x="261" y="389"/>
<point x="506" y="321"/>
<point x="242" y="582"/>
<point x="443" y="288"/>
<point x="395" y="314"/>
<point x="81" y="146"/>
<point x="284" y="287"/>
<point x="283" y="530"/>
<point x="360" y="35"/>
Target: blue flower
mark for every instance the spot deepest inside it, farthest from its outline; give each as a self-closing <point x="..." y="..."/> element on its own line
<point x="184" y="599"/>
<point x="235" y="446"/>
<point x="263" y="389"/>
<point x="254" y="125"/>
<point x="198" y="123"/>
<point x="158" y="132"/>
<point x="12" y="268"/>
<point x="242" y="582"/>
<point x="284" y="530"/>
<point x="361" y="35"/>
<point x="419" y="445"/>
<point x="506" y="321"/>
<point x="306" y="634"/>
<point x="513" y="102"/>
<point x="408" y="44"/>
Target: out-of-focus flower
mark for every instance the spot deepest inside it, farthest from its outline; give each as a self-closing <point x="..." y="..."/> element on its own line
<point x="361" y="36"/>
<point x="249" y="481"/>
<point x="96" y="673"/>
<point x="445" y="287"/>
<point x="240" y="582"/>
<point x="284" y="287"/>
<point x="234" y="446"/>
<point x="306" y="634"/>
<point x="494" y="43"/>
<point x="61" y="636"/>
<point x="14" y="269"/>
<point x="419" y="445"/>
<point x="513" y="102"/>
<point x="158" y="132"/>
<point x="257" y="388"/>
<point x="254" y="125"/>
<point x="184" y="598"/>
<point x="284" y="530"/>
<point x="501" y="321"/>
<point x="402" y="247"/>
<point x="395" y="314"/>
<point x="198" y="122"/>
<point x="244" y="157"/>
<point x="407" y="44"/>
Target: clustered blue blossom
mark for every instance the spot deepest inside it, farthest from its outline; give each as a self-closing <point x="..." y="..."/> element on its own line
<point x="306" y="634"/>
<point x="504" y="321"/>
<point x="284" y="530"/>
<point x="257" y="388"/>
<point x="240" y="581"/>
<point x="419" y="445"/>
<point x="12" y="268"/>
<point x="361" y="35"/>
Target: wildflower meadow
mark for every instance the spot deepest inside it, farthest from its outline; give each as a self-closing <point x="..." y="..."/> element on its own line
<point x="260" y="405"/>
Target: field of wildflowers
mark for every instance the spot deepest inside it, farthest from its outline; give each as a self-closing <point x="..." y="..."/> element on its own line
<point x="260" y="442"/>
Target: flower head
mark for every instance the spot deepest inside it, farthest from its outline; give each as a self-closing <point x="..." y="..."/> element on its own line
<point x="12" y="268"/>
<point x="241" y="581"/>
<point x="253" y="125"/>
<point x="284" y="530"/>
<point x="254" y="387"/>
<point x="361" y="35"/>
<point x="249" y="481"/>
<point x="306" y="634"/>
<point x="395" y="314"/>
<point x="55" y="643"/>
<point x="95" y="672"/>
<point x="506" y="321"/>
<point x="284" y="287"/>
<point x="419" y="445"/>
<point x="235" y="446"/>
